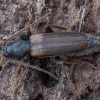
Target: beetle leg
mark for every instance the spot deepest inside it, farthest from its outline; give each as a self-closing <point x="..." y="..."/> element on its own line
<point x="65" y="28"/>
<point x="26" y="70"/>
<point x="33" y="67"/>
<point x="21" y="80"/>
<point x="82" y="62"/>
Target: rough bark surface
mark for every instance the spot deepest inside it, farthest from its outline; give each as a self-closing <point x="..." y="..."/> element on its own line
<point x="77" y="80"/>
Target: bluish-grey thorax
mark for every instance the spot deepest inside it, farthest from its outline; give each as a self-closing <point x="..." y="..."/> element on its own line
<point x="18" y="48"/>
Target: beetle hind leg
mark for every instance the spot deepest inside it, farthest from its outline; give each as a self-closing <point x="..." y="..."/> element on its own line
<point x="82" y="62"/>
<point x="65" y="28"/>
<point x="26" y="71"/>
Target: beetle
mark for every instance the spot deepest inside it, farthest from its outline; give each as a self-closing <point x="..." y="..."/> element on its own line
<point x="55" y="44"/>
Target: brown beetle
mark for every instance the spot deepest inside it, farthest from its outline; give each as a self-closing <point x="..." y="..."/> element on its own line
<point x="55" y="44"/>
